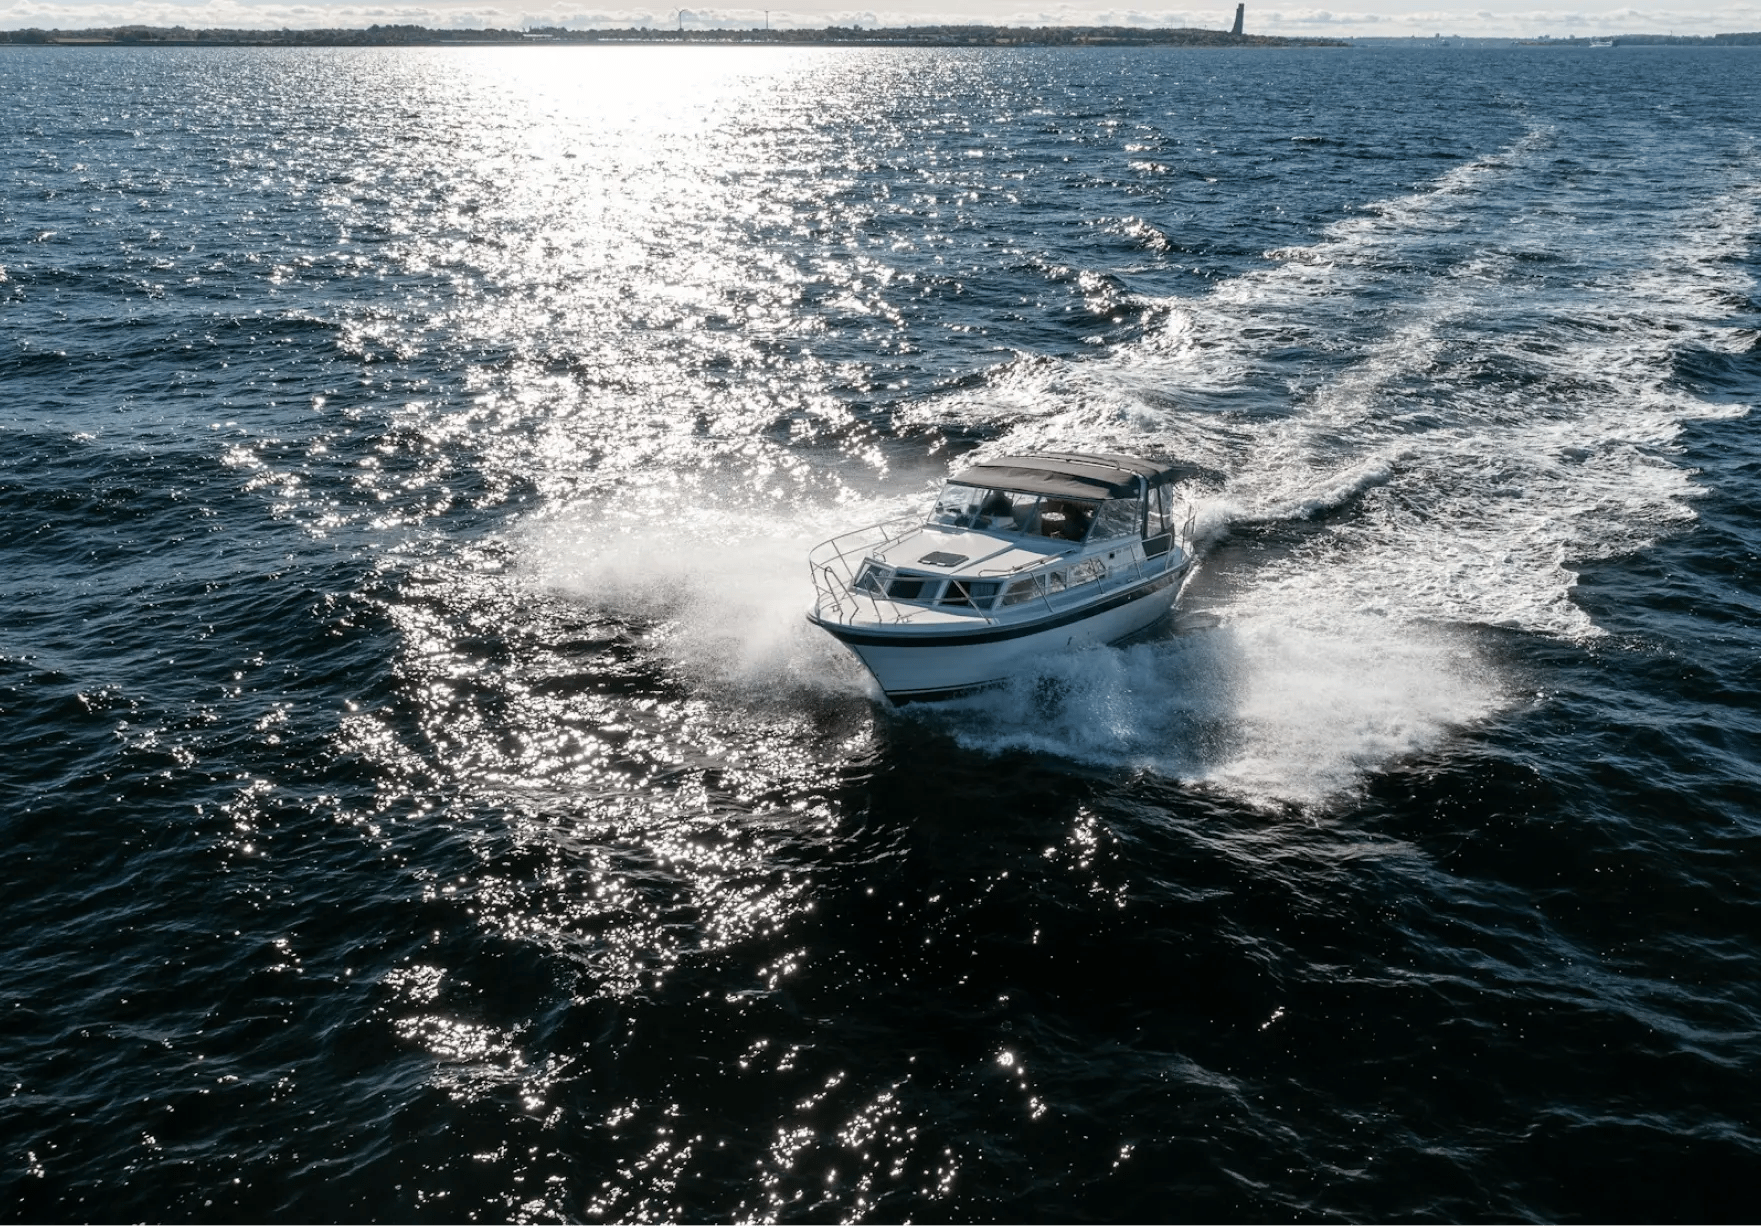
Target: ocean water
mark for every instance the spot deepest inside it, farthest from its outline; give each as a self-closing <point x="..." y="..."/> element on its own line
<point x="424" y="800"/>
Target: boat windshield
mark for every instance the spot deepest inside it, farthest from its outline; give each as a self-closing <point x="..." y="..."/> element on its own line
<point x="970" y="506"/>
<point x="1118" y="517"/>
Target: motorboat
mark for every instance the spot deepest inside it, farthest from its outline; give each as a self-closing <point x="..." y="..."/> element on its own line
<point x="1021" y="556"/>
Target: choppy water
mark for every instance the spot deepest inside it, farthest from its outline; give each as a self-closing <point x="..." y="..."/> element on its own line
<point x="423" y="800"/>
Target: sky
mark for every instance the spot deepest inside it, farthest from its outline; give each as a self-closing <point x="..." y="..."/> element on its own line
<point x="1354" y="18"/>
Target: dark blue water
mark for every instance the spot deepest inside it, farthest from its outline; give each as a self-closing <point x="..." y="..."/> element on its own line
<point x="423" y="799"/>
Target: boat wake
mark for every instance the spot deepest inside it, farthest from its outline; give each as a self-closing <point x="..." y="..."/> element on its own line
<point x="1416" y="473"/>
<point x="1421" y="423"/>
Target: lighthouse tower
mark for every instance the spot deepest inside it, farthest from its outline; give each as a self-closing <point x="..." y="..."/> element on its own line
<point x="1240" y="12"/>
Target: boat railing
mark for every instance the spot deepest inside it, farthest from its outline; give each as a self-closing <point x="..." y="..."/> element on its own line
<point x="1135" y="569"/>
<point x="834" y="565"/>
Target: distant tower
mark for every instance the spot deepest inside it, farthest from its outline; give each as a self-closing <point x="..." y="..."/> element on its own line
<point x="1240" y="12"/>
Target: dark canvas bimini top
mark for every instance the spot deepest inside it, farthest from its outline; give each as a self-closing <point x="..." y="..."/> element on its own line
<point x="1070" y="474"/>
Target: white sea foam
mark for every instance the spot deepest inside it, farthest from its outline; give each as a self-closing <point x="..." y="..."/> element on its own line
<point x="724" y="600"/>
<point x="1264" y="706"/>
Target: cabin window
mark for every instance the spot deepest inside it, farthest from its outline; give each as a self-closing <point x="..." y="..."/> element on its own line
<point x="1063" y="519"/>
<point x="871" y="580"/>
<point x="913" y="587"/>
<point x="1006" y="512"/>
<point x="1023" y="513"/>
<point x="1021" y="591"/>
<point x="1118" y="517"/>
<point x="1086" y="571"/>
<point x="971" y="593"/>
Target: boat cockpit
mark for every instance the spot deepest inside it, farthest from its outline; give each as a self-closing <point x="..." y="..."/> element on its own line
<point x="1059" y="518"/>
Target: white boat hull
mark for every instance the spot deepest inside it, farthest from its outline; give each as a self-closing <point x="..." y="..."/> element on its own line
<point x="914" y="664"/>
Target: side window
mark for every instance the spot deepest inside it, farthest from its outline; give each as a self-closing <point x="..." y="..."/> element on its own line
<point x="971" y="593"/>
<point x="1021" y="591"/>
<point x="1086" y="571"/>
<point x="1161" y="510"/>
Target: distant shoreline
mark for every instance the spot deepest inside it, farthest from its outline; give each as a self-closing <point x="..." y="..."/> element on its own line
<point x="831" y="36"/>
<point x="421" y="36"/>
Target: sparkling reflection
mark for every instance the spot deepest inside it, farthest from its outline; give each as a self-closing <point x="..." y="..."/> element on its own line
<point x="430" y="795"/>
<point x="632" y="330"/>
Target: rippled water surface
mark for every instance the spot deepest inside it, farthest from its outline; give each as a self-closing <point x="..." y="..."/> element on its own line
<point x="424" y="800"/>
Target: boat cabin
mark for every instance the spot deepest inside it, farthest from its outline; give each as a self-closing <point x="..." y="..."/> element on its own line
<point x="1022" y="529"/>
<point x="1021" y="556"/>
